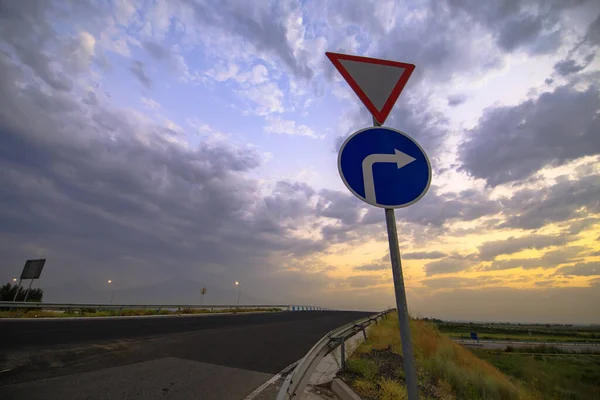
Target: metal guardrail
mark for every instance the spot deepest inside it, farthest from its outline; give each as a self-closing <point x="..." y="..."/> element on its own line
<point x="158" y="307"/>
<point x="294" y="384"/>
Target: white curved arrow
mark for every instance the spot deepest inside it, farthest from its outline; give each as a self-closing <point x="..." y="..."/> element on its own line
<point x="399" y="158"/>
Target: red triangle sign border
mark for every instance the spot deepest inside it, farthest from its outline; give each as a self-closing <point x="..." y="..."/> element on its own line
<point x="379" y="115"/>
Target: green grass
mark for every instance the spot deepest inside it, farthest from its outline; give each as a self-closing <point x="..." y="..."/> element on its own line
<point x="19" y="313"/>
<point x="446" y="370"/>
<point x="364" y="367"/>
<point x="541" y="349"/>
<point x="534" y="332"/>
<point x="552" y="376"/>
<point x="526" y="337"/>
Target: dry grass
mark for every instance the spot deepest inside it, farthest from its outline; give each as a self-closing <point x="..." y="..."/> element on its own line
<point x="367" y="389"/>
<point x="392" y="390"/>
<point x="453" y="371"/>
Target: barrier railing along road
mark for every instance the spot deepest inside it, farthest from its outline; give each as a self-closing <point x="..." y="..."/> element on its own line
<point x="294" y="384"/>
<point x="158" y="307"/>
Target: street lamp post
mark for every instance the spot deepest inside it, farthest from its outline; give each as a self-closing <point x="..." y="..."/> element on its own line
<point x="239" y="292"/>
<point x="112" y="293"/>
<point x="202" y="293"/>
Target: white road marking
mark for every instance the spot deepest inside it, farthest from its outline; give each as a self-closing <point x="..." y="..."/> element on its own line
<point x="274" y="379"/>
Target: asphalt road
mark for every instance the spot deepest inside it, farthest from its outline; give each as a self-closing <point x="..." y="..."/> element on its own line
<point x="188" y="357"/>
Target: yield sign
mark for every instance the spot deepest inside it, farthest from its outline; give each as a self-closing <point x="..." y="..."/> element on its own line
<point x="377" y="83"/>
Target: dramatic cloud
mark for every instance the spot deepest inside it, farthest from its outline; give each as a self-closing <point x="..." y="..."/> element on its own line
<point x="550" y="259"/>
<point x="456" y="100"/>
<point x="423" y="255"/>
<point x="511" y="143"/>
<point x="216" y="177"/>
<point x="454" y="263"/>
<point x="568" y="67"/>
<point x="581" y="269"/>
<point x="267" y="28"/>
<point x="566" y="199"/>
<point x="489" y="251"/>
<point x="104" y="197"/>
<point x="137" y="68"/>
<point x="372" y="267"/>
<point x="453" y="282"/>
<point x="358" y="281"/>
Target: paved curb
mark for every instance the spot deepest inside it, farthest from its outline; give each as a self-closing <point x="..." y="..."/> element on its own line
<point x="343" y="391"/>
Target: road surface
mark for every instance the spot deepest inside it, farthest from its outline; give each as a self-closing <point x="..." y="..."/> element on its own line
<point x="188" y="357"/>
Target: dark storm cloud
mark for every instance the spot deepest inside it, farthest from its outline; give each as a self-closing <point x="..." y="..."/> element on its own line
<point x="550" y="259"/>
<point x="434" y="212"/>
<point x="156" y="50"/>
<point x="511" y="143"/>
<point x="23" y="25"/>
<point x="438" y="209"/>
<point x="456" y="99"/>
<point x="592" y="35"/>
<point x="290" y="200"/>
<point x="103" y="185"/>
<point x="544" y="283"/>
<point x="453" y="263"/>
<point x="580" y="269"/>
<point x="566" y="199"/>
<point x="371" y="267"/>
<point x="453" y="282"/>
<point x="137" y="68"/>
<point x="262" y="26"/>
<point x="568" y="67"/>
<point x="490" y="250"/>
<point x="582" y="54"/>
<point x="440" y="43"/>
<point x="583" y="224"/>
<point x="423" y="255"/>
<point x="358" y="281"/>
<point x="529" y="25"/>
<point x="339" y="205"/>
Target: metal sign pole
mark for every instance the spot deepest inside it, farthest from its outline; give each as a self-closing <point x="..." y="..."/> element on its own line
<point x="18" y="288"/>
<point x="408" y="355"/>
<point x="407" y="350"/>
<point x="28" y="289"/>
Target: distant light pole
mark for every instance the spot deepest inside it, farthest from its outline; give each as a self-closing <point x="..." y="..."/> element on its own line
<point x="202" y="293"/>
<point x="239" y="292"/>
<point x="112" y="293"/>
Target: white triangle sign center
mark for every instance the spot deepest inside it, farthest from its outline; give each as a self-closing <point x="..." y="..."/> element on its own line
<point x="378" y="83"/>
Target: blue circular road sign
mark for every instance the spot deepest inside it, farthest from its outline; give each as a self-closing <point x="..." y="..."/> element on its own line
<point x="384" y="167"/>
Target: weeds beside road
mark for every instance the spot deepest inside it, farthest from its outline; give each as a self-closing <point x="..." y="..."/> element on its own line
<point x="446" y="370"/>
<point x="532" y="332"/>
<point x="548" y="374"/>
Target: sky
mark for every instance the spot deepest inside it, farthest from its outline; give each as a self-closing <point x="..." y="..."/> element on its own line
<point x="174" y="145"/>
